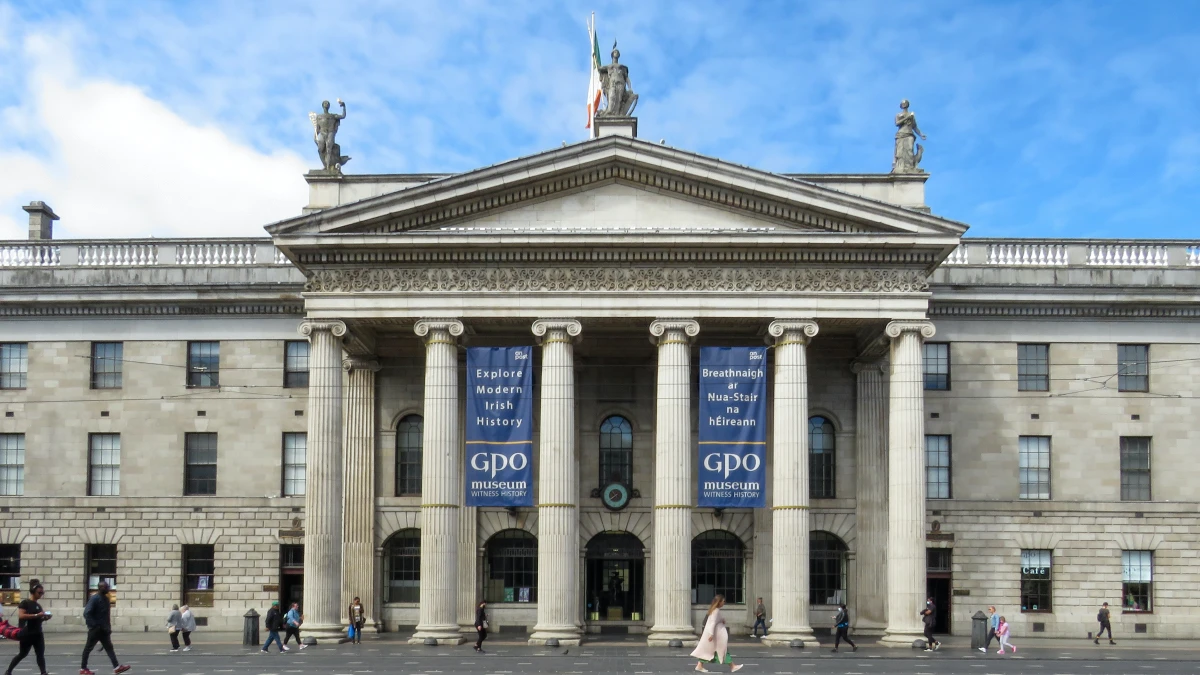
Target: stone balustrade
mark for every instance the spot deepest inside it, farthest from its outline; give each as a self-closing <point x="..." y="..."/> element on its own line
<point x="1074" y="253"/>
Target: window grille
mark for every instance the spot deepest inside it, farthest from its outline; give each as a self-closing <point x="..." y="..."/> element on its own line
<point x="1033" y="367"/>
<point x="1034" y="467"/>
<point x="1135" y="468"/>
<point x="1036" y="581"/>
<point x="1133" y="367"/>
<point x="104" y="465"/>
<point x="409" y="438"/>
<point x="511" y="567"/>
<point x="718" y="567"/>
<point x="295" y="363"/>
<point x="295" y="452"/>
<point x="402" y="567"/>
<point x="616" y="451"/>
<point x="14" y="365"/>
<point x="1137" y="581"/>
<point x="107" y="363"/>
<point x="827" y="569"/>
<point x="936" y="365"/>
<point x="204" y="364"/>
<point x="12" y="465"/>
<point x="200" y="470"/>
<point x="937" y="467"/>
<point x="822" y="459"/>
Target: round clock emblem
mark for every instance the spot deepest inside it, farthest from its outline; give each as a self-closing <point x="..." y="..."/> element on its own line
<point x="615" y="496"/>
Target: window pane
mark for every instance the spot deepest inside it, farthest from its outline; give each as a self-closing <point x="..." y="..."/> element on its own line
<point x="937" y="467"/>
<point x="402" y="567"/>
<point x="10" y="567"/>
<point x="14" y="365"/>
<point x="104" y="455"/>
<point x="295" y="450"/>
<point x="718" y="567"/>
<point x="199" y="566"/>
<point x="1033" y="367"/>
<point x="822" y="476"/>
<point x="1135" y="468"/>
<point x="616" y="451"/>
<point x="937" y="365"/>
<point x="204" y="364"/>
<point x="511" y="567"/>
<point x="12" y="465"/>
<point x="1137" y="581"/>
<point x="1036" y="581"/>
<point x="1034" y="467"/>
<point x="107" y="360"/>
<point x="295" y="363"/>
<point x="409" y="438"/>
<point x="826" y="569"/>
<point x="200" y="470"/>
<point x="1133" y="367"/>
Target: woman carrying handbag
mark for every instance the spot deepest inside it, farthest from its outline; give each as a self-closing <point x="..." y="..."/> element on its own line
<point x="481" y="626"/>
<point x="174" y="625"/>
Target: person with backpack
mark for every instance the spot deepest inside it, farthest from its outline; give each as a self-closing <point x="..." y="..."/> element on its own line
<point x="96" y="614"/>
<point x="291" y="627"/>
<point x="842" y="623"/>
<point x="929" y="617"/>
<point x="273" y="623"/>
<point x="1103" y="617"/>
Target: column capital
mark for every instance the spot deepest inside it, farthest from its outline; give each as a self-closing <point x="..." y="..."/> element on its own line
<point x="661" y="327"/>
<point x="360" y="363"/>
<point x="789" y="331"/>
<point x="338" y="328"/>
<point x="452" y="326"/>
<point x="570" y="326"/>
<point x="897" y="328"/>
<point x="865" y="366"/>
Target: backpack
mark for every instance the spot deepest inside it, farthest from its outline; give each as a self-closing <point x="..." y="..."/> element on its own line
<point x="9" y="631"/>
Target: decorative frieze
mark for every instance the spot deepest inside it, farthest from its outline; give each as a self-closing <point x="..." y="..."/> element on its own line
<point x="616" y="279"/>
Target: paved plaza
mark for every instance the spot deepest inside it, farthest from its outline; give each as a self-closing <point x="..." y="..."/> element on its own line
<point x="393" y="655"/>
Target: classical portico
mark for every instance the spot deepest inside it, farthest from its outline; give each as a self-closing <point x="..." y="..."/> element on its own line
<point x="582" y="249"/>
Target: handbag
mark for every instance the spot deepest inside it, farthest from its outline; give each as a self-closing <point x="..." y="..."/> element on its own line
<point x="351" y="634"/>
<point x="485" y="624"/>
<point x="171" y="630"/>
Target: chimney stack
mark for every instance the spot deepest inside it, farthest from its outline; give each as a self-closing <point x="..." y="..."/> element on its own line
<point x="41" y="220"/>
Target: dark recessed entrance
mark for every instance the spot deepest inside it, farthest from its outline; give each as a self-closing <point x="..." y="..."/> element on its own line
<point x="616" y="564"/>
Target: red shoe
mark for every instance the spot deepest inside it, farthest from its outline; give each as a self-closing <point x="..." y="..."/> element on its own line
<point x="85" y="671"/>
<point x="120" y="669"/>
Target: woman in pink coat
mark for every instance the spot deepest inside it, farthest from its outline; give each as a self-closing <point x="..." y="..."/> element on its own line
<point x="714" y="643"/>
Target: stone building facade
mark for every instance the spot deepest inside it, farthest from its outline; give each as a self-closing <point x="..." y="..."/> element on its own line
<point x="228" y="422"/>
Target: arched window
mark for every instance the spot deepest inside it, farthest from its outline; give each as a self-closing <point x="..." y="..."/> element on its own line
<point x="616" y="451"/>
<point x="409" y="435"/>
<point x="821" y="446"/>
<point x="827" y="569"/>
<point x="718" y="566"/>
<point x="510" y="567"/>
<point x="402" y="567"/>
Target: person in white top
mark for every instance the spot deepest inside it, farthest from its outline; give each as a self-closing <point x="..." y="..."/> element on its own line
<point x="714" y="643"/>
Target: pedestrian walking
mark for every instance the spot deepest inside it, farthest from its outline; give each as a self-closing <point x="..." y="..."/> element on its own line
<point x="714" y="643"/>
<point x="481" y="626"/>
<point x="174" y="622"/>
<point x="187" y="627"/>
<point x="292" y="623"/>
<point x="31" y="617"/>
<point x="1103" y="617"/>
<point x="96" y="615"/>
<point x="273" y="623"/>
<point x="358" y="618"/>
<point x="928" y="617"/>
<point x="1003" y="632"/>
<point x="842" y="623"/>
<point x="760" y="618"/>
<point x="993" y="627"/>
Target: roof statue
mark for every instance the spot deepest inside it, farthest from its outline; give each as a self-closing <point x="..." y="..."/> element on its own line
<point x="614" y="78"/>
<point x="325" y="127"/>
<point x="908" y="152"/>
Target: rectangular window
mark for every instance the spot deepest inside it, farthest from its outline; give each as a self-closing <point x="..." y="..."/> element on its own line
<point x="1034" y="467"/>
<point x="1036" y="584"/>
<point x="10" y="574"/>
<point x="1137" y="581"/>
<point x="936" y="366"/>
<point x="199" y="563"/>
<point x="107" y="360"/>
<point x="102" y="566"/>
<point x="1135" y="468"/>
<point x="204" y="364"/>
<point x="12" y="465"/>
<point x="295" y="363"/>
<point x="1133" y="367"/>
<point x="200" y="458"/>
<point x="295" y="448"/>
<point x="104" y="465"/>
<point x="1033" y="367"/>
<point x="937" y="467"/>
<point x="14" y="365"/>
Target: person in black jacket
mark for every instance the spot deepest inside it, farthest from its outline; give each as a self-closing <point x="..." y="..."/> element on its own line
<point x="481" y="626"/>
<point x="929" y="617"/>
<point x="31" y="618"/>
<point x="96" y="616"/>
<point x="842" y="623"/>
<point x="273" y="623"/>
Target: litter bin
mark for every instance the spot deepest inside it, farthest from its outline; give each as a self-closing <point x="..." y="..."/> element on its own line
<point x="979" y="630"/>
<point x="250" y="629"/>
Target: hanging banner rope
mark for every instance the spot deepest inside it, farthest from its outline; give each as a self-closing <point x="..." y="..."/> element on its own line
<point x="733" y="427"/>
<point x="499" y="426"/>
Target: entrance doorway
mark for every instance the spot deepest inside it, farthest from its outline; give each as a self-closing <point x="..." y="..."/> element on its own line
<point x="291" y="575"/>
<point x="938" y="584"/>
<point x="616" y="565"/>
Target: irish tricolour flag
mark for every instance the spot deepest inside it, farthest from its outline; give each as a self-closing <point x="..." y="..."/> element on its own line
<point x="593" y="100"/>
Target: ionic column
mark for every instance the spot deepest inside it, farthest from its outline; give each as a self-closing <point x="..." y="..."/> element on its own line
<point x="441" y="484"/>
<point x="789" y="485"/>
<point x="558" y="488"/>
<point x="358" y="499"/>
<point x="323" y="480"/>
<point x="906" y="483"/>
<point x="871" y="512"/>
<point x="673" y="483"/>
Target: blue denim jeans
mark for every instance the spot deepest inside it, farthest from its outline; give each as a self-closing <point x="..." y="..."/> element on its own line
<point x="273" y="636"/>
<point x="761" y="621"/>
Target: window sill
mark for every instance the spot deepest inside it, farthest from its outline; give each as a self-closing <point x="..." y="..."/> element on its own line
<point x="1037" y="611"/>
<point x="1137" y="611"/>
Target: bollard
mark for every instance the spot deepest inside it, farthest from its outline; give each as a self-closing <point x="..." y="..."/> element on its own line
<point x="250" y="629"/>
<point x="979" y="630"/>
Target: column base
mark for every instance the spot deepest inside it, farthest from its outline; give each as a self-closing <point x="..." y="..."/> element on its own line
<point x="868" y="629"/>
<point x="661" y="636"/>
<point x="783" y="638"/>
<point x="899" y="637"/>
<point x="324" y="634"/>
<point x="444" y="635"/>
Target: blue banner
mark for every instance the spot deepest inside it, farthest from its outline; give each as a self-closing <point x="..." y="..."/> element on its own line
<point x="499" y="426"/>
<point x="733" y="427"/>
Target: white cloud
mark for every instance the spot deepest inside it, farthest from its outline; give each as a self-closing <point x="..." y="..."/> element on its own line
<point x="117" y="163"/>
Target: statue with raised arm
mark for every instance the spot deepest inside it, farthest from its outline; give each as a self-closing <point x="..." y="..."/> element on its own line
<point x="908" y="152"/>
<point x="614" y="79"/>
<point x="325" y="127"/>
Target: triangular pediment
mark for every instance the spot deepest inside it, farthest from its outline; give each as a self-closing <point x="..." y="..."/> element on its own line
<point x="620" y="184"/>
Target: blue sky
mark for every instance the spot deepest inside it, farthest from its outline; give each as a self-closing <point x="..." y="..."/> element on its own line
<point x="1076" y="119"/>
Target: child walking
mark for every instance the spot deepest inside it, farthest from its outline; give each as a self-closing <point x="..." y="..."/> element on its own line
<point x="1002" y="631"/>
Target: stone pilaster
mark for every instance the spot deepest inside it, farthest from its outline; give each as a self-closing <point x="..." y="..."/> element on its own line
<point x="871" y="512"/>
<point x="323" y="481"/>
<point x="906" y="483"/>
<point x="441" y="484"/>
<point x="558" y="488"/>
<point x="673" y="483"/>
<point x="789" y="485"/>
<point x="358" y="498"/>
